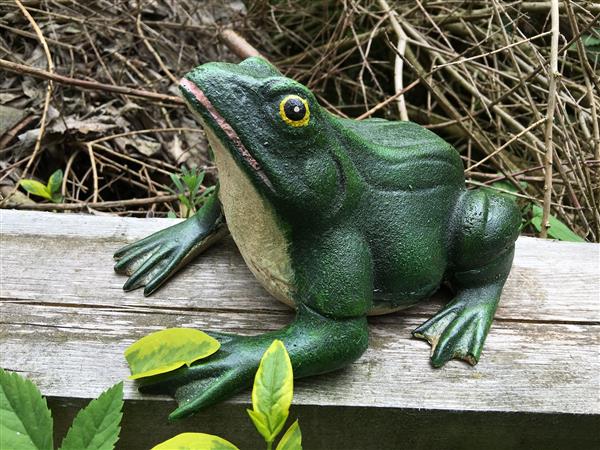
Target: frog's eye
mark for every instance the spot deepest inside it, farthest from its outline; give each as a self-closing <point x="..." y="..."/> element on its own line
<point x="294" y="111"/>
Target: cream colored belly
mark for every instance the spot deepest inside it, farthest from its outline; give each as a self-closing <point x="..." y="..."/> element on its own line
<point x="256" y="230"/>
<point x="254" y="226"/>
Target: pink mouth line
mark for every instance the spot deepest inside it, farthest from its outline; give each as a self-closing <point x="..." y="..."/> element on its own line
<point x="227" y="129"/>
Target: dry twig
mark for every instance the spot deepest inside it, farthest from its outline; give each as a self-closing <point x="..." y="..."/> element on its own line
<point x="85" y="84"/>
<point x="553" y="75"/>
<point x="38" y="141"/>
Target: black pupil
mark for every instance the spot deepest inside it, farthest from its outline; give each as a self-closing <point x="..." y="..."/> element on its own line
<point x="294" y="109"/>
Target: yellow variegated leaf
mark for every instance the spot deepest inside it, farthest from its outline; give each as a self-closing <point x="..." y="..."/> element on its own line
<point x="167" y="350"/>
<point x="36" y="188"/>
<point x="260" y="422"/>
<point x="195" y="441"/>
<point x="273" y="390"/>
<point x="292" y="439"/>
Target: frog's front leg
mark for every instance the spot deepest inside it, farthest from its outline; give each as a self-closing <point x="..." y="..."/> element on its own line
<point x="484" y="249"/>
<point x="328" y="332"/>
<point x="151" y="261"/>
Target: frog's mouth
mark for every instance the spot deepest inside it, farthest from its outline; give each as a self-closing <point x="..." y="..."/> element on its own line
<point x="190" y="88"/>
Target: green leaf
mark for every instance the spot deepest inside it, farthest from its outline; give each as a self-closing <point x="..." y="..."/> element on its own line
<point x="505" y="188"/>
<point x="189" y="177"/>
<point x="97" y="426"/>
<point x="167" y="350"/>
<point x="36" y="188"/>
<point x="177" y="182"/>
<point x="170" y="189"/>
<point x="195" y="441"/>
<point x="504" y="185"/>
<point x="260" y="422"/>
<point x="55" y="182"/>
<point x="292" y="439"/>
<point x="273" y="391"/>
<point x="200" y="199"/>
<point x="195" y="183"/>
<point x="57" y="198"/>
<point x="557" y="230"/>
<point x="591" y="43"/>
<point x="25" y="420"/>
<point x="199" y="179"/>
<point x="184" y="201"/>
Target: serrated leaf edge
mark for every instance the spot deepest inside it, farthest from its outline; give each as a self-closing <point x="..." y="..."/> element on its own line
<point x="19" y="382"/>
<point x="116" y="392"/>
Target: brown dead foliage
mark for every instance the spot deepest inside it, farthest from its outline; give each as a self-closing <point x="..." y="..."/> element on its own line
<point x="145" y="45"/>
<point x="476" y="72"/>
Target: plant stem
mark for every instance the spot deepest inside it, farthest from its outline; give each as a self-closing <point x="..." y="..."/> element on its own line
<point x="549" y="143"/>
<point x="85" y="84"/>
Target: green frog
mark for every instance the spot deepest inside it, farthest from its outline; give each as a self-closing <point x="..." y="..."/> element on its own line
<point x="338" y="218"/>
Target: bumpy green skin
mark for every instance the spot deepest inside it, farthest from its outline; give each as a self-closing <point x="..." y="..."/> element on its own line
<point x="377" y="216"/>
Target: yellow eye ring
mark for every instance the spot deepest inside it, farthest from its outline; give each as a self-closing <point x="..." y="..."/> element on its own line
<point x="294" y="111"/>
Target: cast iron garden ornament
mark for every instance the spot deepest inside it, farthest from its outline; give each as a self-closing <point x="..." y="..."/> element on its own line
<point x="336" y="217"/>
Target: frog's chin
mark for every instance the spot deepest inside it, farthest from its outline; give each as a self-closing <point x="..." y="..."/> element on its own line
<point x="234" y="140"/>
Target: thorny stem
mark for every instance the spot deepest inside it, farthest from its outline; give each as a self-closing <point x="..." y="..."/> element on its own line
<point x="549" y="143"/>
<point x="399" y="62"/>
<point x="85" y="84"/>
<point x="98" y="205"/>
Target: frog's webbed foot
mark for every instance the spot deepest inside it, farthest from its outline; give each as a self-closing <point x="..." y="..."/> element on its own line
<point x="459" y="330"/>
<point x="151" y="261"/>
<point x="211" y="380"/>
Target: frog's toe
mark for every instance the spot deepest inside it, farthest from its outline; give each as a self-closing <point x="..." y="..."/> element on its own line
<point x="196" y="387"/>
<point x="458" y="331"/>
<point x="199" y="375"/>
<point x="131" y="257"/>
<point x="459" y="340"/>
<point x="202" y="393"/>
<point x="147" y="265"/>
<point x="151" y="272"/>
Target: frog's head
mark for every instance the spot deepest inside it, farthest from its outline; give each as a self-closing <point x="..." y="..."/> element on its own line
<point x="274" y="129"/>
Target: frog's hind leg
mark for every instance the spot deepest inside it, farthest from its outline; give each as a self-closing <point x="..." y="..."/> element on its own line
<point x="316" y="344"/>
<point x="484" y="252"/>
<point x="151" y="261"/>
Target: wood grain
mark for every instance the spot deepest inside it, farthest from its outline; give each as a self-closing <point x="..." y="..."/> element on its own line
<point x="65" y="322"/>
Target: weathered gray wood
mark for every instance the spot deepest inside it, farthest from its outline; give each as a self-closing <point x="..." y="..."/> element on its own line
<point x="65" y="322"/>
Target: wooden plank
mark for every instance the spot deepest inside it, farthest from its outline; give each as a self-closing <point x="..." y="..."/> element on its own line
<point x="550" y="281"/>
<point x="65" y="322"/>
<point x="529" y="367"/>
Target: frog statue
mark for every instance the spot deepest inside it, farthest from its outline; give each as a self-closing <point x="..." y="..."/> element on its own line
<point x="336" y="217"/>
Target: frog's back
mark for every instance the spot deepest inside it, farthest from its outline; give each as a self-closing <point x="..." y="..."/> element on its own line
<point x="412" y="181"/>
<point x="401" y="156"/>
